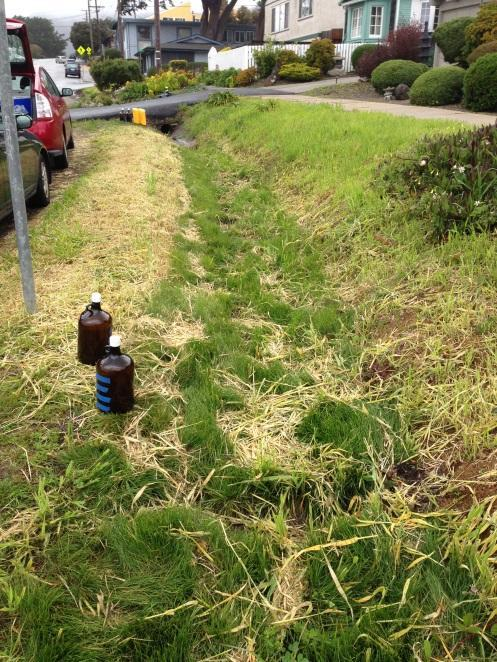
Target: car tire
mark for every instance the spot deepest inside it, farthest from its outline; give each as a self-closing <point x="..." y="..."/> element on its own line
<point x="70" y="144"/>
<point x="62" y="161"/>
<point x="42" y="196"/>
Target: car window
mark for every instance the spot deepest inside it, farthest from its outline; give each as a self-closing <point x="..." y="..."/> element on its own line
<point x="50" y="85"/>
<point x="16" y="49"/>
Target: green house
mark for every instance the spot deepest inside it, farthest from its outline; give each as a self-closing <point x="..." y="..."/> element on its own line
<point x="370" y="21"/>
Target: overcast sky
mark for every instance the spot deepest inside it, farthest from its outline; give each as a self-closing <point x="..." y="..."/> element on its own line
<point x="61" y="10"/>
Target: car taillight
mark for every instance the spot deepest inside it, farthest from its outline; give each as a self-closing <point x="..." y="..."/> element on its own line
<point x="43" y="108"/>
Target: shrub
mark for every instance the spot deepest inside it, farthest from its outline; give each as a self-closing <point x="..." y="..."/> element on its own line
<point x="286" y="56"/>
<point x="359" y="52"/>
<point x="394" y="72"/>
<point x="265" y="60"/>
<point x="369" y="60"/>
<point x="112" y="54"/>
<point x="321" y="54"/>
<point x="111" y="74"/>
<point x="450" y="39"/>
<point x="404" y="43"/>
<point x="132" y="91"/>
<point x="438" y="87"/>
<point x="483" y="28"/>
<point x="480" y="84"/>
<point x="167" y="80"/>
<point x="177" y="65"/>
<point x="222" y="99"/>
<point x="299" y="72"/>
<point x="451" y="180"/>
<point x="482" y="49"/>
<point x="225" y="78"/>
<point x="246" y="77"/>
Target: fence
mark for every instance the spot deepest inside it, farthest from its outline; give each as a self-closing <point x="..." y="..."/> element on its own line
<point x="243" y="57"/>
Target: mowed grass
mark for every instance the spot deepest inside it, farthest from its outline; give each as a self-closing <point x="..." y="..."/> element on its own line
<point x="309" y="369"/>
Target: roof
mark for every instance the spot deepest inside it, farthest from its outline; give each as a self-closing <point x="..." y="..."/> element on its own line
<point x="194" y="43"/>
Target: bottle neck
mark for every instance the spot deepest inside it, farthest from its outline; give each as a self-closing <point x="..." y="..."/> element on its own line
<point x="95" y="306"/>
<point x="114" y="351"/>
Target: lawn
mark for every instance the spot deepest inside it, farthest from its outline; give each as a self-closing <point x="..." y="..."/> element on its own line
<point x="300" y="479"/>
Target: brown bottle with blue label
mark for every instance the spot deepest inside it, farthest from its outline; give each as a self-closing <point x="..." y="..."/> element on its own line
<point x="115" y="373"/>
<point x="94" y="330"/>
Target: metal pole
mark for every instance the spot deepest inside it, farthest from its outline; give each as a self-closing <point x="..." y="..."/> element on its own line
<point x="158" y="55"/>
<point x="14" y="165"/>
<point x="90" y="26"/>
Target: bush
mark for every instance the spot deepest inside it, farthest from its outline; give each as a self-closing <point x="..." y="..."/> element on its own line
<point x="369" y="60"/>
<point x="451" y="180"/>
<point x="321" y="54"/>
<point x="112" y="54"/>
<point x="225" y="78"/>
<point x="438" y="87"/>
<point x="111" y="74"/>
<point x="299" y="72"/>
<point x="265" y="60"/>
<point x="359" y="52"/>
<point x="286" y="56"/>
<point x="177" y="65"/>
<point x="482" y="49"/>
<point x="483" y="28"/>
<point x="246" y="77"/>
<point x="394" y="72"/>
<point x="222" y="99"/>
<point x="480" y="84"/>
<point x="167" y="80"/>
<point x="450" y="38"/>
<point x="404" y="43"/>
<point x="133" y="90"/>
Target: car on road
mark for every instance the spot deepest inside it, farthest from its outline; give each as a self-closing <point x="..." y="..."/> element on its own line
<point x="61" y="59"/>
<point x="35" y="164"/>
<point x="73" y="69"/>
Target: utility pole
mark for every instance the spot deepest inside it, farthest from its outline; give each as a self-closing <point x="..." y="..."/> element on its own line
<point x="158" y="54"/>
<point x="99" y="34"/>
<point x="120" y="33"/>
<point x="14" y="165"/>
<point x="91" y="27"/>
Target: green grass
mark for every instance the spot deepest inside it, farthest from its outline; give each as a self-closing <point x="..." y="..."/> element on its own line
<point x="307" y="345"/>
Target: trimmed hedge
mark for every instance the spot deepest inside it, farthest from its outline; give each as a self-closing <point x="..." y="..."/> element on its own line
<point x="359" y="52"/>
<point x="482" y="49"/>
<point x="299" y="72"/>
<point x="321" y="54"/>
<point x="451" y="40"/>
<point x="438" y="87"/>
<point x="394" y="72"/>
<point x="286" y="56"/>
<point x="480" y="84"/>
<point x="111" y="74"/>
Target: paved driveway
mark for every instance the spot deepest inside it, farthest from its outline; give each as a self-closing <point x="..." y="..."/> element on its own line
<point x="56" y="72"/>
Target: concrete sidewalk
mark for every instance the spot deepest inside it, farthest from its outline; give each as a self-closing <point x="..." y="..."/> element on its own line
<point x="302" y="88"/>
<point x="419" y="112"/>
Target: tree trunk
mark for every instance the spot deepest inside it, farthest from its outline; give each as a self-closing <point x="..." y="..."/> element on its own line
<point x="261" y="22"/>
<point x="225" y="17"/>
<point x="214" y="20"/>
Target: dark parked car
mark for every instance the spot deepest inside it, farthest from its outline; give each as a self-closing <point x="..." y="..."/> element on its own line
<point x="73" y="69"/>
<point x="35" y="168"/>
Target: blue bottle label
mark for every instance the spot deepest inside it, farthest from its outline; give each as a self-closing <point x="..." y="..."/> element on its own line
<point x="103" y="390"/>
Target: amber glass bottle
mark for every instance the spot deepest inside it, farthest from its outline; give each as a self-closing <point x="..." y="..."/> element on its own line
<point x="94" y="330"/>
<point x="115" y="372"/>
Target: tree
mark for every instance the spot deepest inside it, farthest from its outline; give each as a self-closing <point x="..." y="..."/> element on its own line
<point x="41" y="32"/>
<point x="80" y="34"/>
<point x="260" y="24"/>
<point x="246" y="14"/>
<point x="215" y="15"/>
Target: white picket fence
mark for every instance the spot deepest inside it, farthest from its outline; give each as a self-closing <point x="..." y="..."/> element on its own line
<point x="243" y="57"/>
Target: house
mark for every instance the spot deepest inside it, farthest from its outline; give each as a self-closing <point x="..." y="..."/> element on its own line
<point x="180" y="37"/>
<point x="370" y="21"/>
<point x="303" y="20"/>
<point x="449" y="9"/>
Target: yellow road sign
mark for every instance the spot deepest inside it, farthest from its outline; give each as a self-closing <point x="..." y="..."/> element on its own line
<point x="81" y="50"/>
<point x="88" y="51"/>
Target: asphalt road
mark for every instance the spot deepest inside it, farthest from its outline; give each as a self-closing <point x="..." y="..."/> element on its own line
<point x="169" y="106"/>
<point x="56" y="72"/>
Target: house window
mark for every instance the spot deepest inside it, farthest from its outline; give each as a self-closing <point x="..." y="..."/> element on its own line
<point x="144" y="36"/>
<point x="305" y="8"/>
<point x="376" y="23"/>
<point x="279" y="17"/>
<point x="183" y="32"/>
<point x="356" y="23"/>
<point x="436" y="17"/>
<point x="425" y="15"/>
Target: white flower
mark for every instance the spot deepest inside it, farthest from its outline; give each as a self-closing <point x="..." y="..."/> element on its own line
<point x="461" y="169"/>
<point x="423" y="162"/>
<point x="477" y="203"/>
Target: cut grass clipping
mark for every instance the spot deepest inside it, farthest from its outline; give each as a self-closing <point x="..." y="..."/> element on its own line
<point x="309" y="368"/>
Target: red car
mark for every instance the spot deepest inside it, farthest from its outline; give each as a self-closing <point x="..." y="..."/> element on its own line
<point x="36" y="94"/>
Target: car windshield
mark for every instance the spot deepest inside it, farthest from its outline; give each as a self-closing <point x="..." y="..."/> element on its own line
<point x="16" y="49"/>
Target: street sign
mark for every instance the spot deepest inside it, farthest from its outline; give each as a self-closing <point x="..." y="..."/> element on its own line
<point x="81" y="50"/>
<point x="88" y="51"/>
